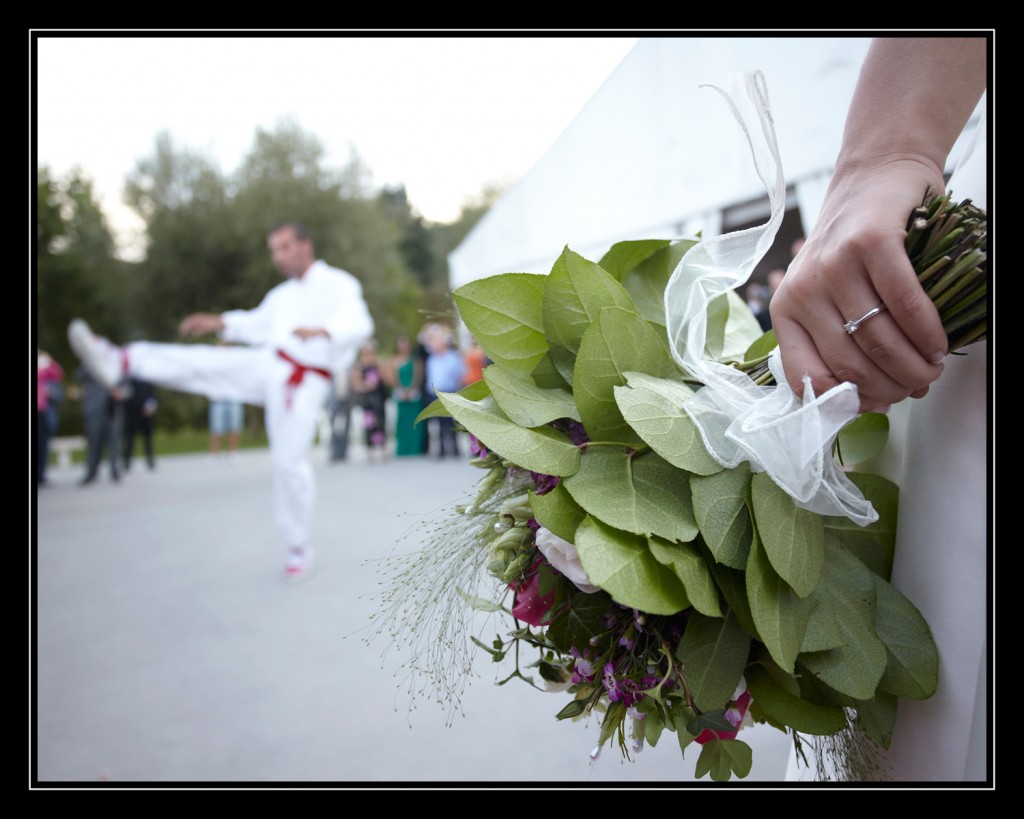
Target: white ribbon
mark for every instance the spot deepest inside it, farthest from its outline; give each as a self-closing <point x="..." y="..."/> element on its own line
<point x="789" y="438"/>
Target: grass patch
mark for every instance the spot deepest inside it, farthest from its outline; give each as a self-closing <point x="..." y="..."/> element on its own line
<point x="180" y="442"/>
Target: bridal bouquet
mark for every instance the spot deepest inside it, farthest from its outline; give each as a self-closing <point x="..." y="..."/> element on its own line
<point x="677" y="599"/>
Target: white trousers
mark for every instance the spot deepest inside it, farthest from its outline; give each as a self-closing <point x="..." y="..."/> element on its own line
<point x="259" y="377"/>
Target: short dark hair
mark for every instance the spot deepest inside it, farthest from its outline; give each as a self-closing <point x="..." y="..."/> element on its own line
<point x="300" y="231"/>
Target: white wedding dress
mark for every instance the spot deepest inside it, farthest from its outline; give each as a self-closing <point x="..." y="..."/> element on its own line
<point x="938" y="455"/>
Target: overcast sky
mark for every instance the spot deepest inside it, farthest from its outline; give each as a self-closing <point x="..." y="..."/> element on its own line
<point x="445" y="116"/>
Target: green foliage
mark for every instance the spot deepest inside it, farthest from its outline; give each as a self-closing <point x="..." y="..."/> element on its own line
<point x="75" y="266"/>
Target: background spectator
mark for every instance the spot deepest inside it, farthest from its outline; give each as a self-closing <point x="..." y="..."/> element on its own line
<point x="103" y="418"/>
<point x="476" y="360"/>
<point x="226" y="421"/>
<point x="139" y="408"/>
<point x="371" y="393"/>
<point x="445" y="372"/>
<point x="49" y="395"/>
<point x="340" y="410"/>
<point x="405" y="377"/>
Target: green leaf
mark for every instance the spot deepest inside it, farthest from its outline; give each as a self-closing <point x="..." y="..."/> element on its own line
<point x="840" y="645"/>
<point x="547" y="375"/>
<point x="838" y="668"/>
<point x="689" y="565"/>
<point x="877" y="717"/>
<point x="575" y="292"/>
<point x="557" y="512"/>
<point x="478" y="603"/>
<point x="863" y="438"/>
<point x="653" y="724"/>
<point x="874" y="544"/>
<point x="779" y="614"/>
<point x="713" y="652"/>
<point x="618" y="341"/>
<point x="714" y="721"/>
<point x="505" y="314"/>
<point x="787" y="709"/>
<point x="622" y="257"/>
<point x="912" y="670"/>
<point x="621" y="563"/>
<point x="647" y="279"/>
<point x="564" y="362"/>
<point x="541" y="450"/>
<point x="613" y="718"/>
<point x="524" y="402"/>
<point x="573" y="709"/>
<point x="842" y="605"/>
<point x="582" y="618"/>
<point x="720" y="507"/>
<point x="642" y="494"/>
<point x="814" y="689"/>
<point x="724" y="757"/>
<point x="471" y="392"/>
<point x="653" y="407"/>
<point x="732" y="328"/>
<point x="794" y="539"/>
<point x="762" y="346"/>
<point x="732" y="583"/>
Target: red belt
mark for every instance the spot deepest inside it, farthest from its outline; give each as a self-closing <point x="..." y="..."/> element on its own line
<point x="299" y="371"/>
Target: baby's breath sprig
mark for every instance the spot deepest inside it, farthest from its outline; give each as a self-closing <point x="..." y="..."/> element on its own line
<point x="431" y="598"/>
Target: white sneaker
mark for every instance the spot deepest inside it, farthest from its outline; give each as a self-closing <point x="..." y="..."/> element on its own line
<point x="299" y="563"/>
<point x="103" y="359"/>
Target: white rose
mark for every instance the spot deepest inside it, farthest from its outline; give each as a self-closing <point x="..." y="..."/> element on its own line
<point x="562" y="555"/>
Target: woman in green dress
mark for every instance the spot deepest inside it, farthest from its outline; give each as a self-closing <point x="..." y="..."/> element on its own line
<point x="406" y="377"/>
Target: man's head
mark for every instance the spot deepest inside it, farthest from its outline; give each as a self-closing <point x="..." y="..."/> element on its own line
<point x="291" y="249"/>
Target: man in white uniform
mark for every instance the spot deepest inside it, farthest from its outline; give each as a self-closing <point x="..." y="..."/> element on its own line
<point x="305" y="329"/>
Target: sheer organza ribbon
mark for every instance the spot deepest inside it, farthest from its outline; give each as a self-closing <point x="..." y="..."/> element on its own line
<point x="777" y="432"/>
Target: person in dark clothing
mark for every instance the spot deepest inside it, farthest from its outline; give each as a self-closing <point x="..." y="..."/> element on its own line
<point x="371" y="393"/>
<point x="139" y="409"/>
<point x="103" y="416"/>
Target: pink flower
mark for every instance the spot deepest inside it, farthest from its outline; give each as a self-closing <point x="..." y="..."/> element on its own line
<point x="530" y="605"/>
<point x="734" y="713"/>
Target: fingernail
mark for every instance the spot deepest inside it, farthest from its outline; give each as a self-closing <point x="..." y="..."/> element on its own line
<point x="936" y="358"/>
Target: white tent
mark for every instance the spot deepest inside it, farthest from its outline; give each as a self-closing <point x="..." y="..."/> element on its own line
<point x="655" y="155"/>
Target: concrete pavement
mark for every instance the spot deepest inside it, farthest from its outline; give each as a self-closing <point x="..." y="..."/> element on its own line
<point x="170" y="650"/>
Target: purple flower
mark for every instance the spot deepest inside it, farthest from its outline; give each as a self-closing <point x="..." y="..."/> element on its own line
<point x="617" y="689"/>
<point x="544" y="483"/>
<point x="611" y="685"/>
<point x="477" y="448"/>
<point x="577" y="433"/>
<point x="583" y="669"/>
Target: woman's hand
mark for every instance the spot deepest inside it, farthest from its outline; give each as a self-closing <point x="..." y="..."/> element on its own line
<point x="853" y="261"/>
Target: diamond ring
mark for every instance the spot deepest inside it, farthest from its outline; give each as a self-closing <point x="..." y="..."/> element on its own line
<point x="851" y="327"/>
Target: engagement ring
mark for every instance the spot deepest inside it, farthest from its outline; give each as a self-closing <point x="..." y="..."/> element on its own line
<point x="851" y="326"/>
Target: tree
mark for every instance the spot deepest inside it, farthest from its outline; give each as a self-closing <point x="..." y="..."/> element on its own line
<point x="76" y="272"/>
<point x="196" y="255"/>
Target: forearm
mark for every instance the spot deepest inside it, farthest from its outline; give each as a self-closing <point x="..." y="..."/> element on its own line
<point x="912" y="99"/>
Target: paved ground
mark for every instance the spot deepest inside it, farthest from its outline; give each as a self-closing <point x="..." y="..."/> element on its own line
<point x="170" y="650"/>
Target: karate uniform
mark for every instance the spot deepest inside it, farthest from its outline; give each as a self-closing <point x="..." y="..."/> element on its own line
<point x="288" y="376"/>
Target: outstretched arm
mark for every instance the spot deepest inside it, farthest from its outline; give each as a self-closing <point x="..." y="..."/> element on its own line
<point x="198" y="324"/>
<point x="912" y="100"/>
